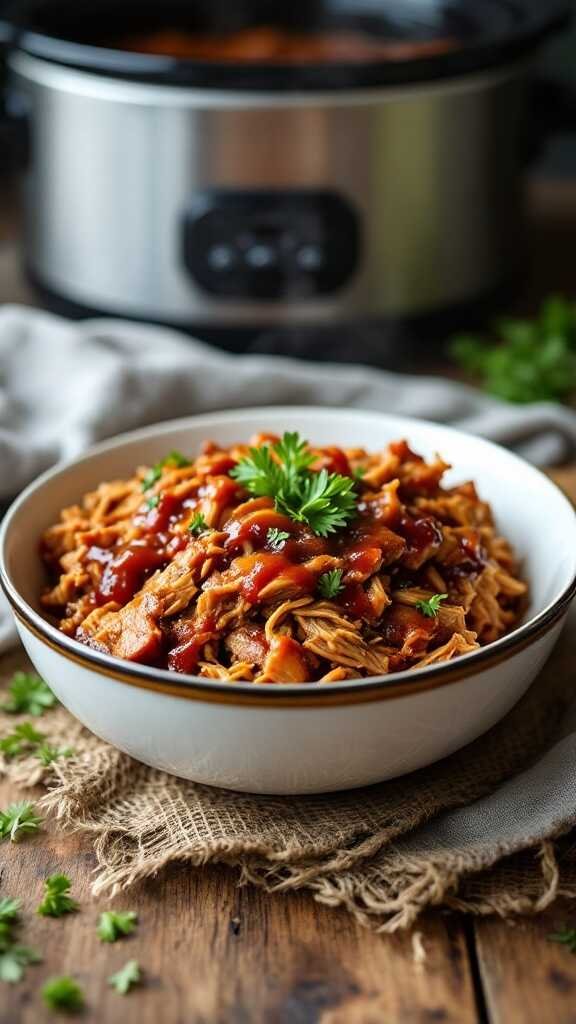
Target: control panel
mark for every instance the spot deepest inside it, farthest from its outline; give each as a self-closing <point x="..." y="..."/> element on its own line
<point x="276" y="244"/>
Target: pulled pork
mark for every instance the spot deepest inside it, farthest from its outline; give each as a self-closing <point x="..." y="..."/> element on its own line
<point x="180" y="568"/>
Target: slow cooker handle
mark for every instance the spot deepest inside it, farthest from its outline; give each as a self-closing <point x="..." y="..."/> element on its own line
<point x="552" y="112"/>
<point x="13" y="115"/>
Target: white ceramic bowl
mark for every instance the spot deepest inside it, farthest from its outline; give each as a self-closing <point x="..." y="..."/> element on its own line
<point x="314" y="737"/>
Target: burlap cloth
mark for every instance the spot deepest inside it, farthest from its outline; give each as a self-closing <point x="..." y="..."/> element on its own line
<point x="484" y="831"/>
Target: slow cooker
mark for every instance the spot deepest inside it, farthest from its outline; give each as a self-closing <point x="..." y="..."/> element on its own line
<point x="252" y="170"/>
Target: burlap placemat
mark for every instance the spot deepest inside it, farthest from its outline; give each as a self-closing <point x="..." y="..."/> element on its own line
<point x="480" y="831"/>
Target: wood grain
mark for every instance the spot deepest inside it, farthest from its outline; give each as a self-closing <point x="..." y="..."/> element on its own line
<point x="527" y="978"/>
<point x="215" y="953"/>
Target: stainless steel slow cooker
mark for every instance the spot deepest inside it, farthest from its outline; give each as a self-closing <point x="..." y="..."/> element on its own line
<point x="246" y="195"/>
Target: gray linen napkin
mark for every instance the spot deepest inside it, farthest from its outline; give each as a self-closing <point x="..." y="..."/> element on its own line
<point x="66" y="385"/>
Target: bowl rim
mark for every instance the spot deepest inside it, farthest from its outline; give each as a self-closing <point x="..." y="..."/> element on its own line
<point x="399" y="684"/>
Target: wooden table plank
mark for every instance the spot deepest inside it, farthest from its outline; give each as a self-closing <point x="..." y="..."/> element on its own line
<point x="527" y="978"/>
<point x="216" y="953"/>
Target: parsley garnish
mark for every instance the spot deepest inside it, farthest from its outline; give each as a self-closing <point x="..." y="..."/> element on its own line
<point x="566" y="937"/>
<point x="57" y="900"/>
<point x="275" y="538"/>
<point x="18" y="818"/>
<point x="324" y="501"/>
<point x="198" y="524"/>
<point x="330" y="583"/>
<point x="13" y="958"/>
<point x="113" y="924"/>
<point x="123" y="980"/>
<point x="21" y="740"/>
<point x="431" y="607"/>
<point x="153" y="502"/>
<point x="47" y="753"/>
<point x="174" y="460"/>
<point x="63" y="994"/>
<point x="533" y="361"/>
<point x="28" y="694"/>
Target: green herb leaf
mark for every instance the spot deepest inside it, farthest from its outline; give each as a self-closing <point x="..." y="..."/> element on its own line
<point x="198" y="524"/>
<point x="57" y="900"/>
<point x="330" y="583"/>
<point x="324" y="501"/>
<point x="47" y="753"/>
<point x="123" y="980"/>
<point x="21" y="740"/>
<point x="174" y="460"/>
<point x="359" y="473"/>
<point x="153" y="502"/>
<point x="566" y="937"/>
<point x="113" y="924"/>
<point x="28" y="694"/>
<point x="259" y="473"/>
<point x="295" y="457"/>
<point x="9" y="910"/>
<point x="63" y="994"/>
<point x="431" y="607"/>
<point x="18" y="818"/>
<point x="275" y="538"/>
<point x="13" y="961"/>
<point x="532" y="361"/>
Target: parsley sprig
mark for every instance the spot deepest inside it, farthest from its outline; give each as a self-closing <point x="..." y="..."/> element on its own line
<point x="26" y="739"/>
<point x="57" y="899"/>
<point x="174" y="460"/>
<point x="566" y="937"/>
<point x="114" y="924"/>
<point x="28" y="694"/>
<point x="22" y="740"/>
<point x="330" y="583"/>
<point x="126" y="977"/>
<point x="197" y="524"/>
<point x="276" y="538"/>
<point x="531" y="361"/>
<point x="431" y="607"/>
<point x="14" y="958"/>
<point x="324" y="501"/>
<point x="19" y="819"/>
<point x="63" y="994"/>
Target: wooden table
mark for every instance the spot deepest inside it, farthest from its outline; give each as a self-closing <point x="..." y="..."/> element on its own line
<point x="218" y="954"/>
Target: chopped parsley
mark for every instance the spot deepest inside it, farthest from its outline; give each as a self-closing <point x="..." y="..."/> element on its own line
<point x="174" y="460"/>
<point x="47" y="753"/>
<point x="276" y="538"/>
<point x="23" y="739"/>
<point x="13" y="957"/>
<point x="28" y="694"/>
<point x="566" y="937"/>
<point x="19" y="819"/>
<point x="330" y="583"/>
<point x="324" y="501"/>
<point x="153" y="502"/>
<point x="123" y="980"/>
<point x="57" y="900"/>
<point x="114" y="924"/>
<point x="63" y="994"/>
<point x="13" y="961"/>
<point x="431" y="607"/>
<point x="198" y="524"/>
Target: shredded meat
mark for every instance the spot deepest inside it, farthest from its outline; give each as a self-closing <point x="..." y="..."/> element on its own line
<point x="180" y="567"/>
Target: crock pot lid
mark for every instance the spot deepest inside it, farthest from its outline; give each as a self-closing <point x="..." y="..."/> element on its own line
<point x="87" y="34"/>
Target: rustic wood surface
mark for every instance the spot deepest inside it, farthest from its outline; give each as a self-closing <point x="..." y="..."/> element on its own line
<point x="213" y="953"/>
